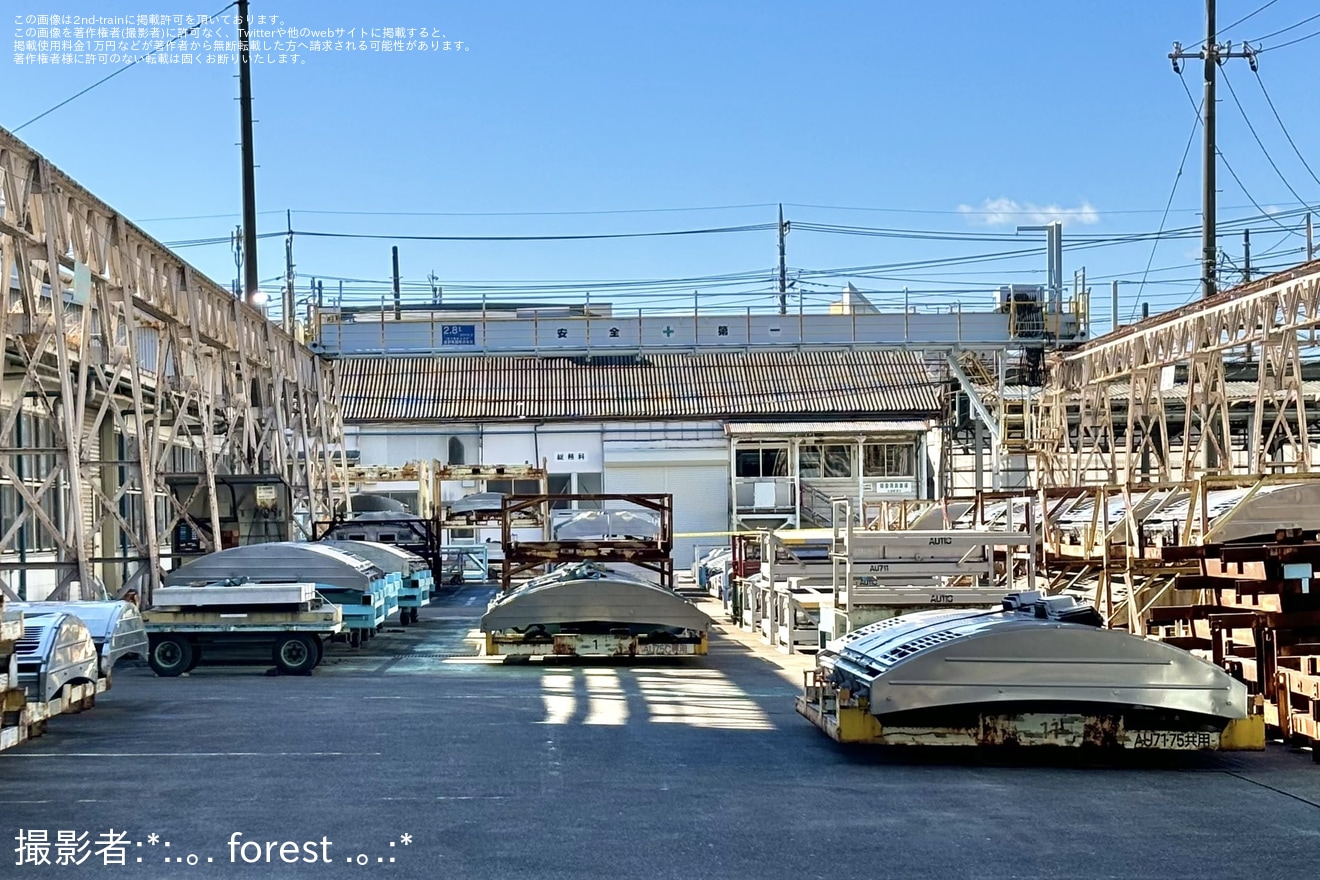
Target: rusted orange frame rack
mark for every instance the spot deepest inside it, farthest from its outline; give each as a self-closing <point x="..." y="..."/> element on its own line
<point x="653" y="554"/>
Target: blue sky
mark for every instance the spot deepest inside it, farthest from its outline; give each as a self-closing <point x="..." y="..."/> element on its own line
<point x="914" y="111"/>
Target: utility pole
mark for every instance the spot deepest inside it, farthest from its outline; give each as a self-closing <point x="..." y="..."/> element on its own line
<point x="1246" y="255"/>
<point x="398" y="303"/>
<point x="783" y="269"/>
<point x="250" y="278"/>
<point x="1310" y="242"/>
<point x="436" y="290"/>
<point x="1213" y="54"/>
<point x="289" y="322"/>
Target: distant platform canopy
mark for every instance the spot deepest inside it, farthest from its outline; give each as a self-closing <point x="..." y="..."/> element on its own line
<point x="785" y="384"/>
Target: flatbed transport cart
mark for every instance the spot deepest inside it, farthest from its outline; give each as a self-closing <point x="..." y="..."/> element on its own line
<point x="285" y="623"/>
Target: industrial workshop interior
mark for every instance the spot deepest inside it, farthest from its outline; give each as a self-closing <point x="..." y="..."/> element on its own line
<point x="700" y="440"/>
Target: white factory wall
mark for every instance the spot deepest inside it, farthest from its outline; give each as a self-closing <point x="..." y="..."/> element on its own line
<point x="689" y="460"/>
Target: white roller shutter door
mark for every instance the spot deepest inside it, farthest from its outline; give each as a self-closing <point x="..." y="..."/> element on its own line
<point x="701" y="499"/>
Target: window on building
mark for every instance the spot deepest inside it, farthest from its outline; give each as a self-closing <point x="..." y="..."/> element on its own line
<point x="762" y="461"/>
<point x="457" y="455"/>
<point x="588" y="484"/>
<point x="515" y="487"/>
<point x="889" y="460"/>
<point x="829" y="461"/>
<point x="560" y="484"/>
<point x="575" y="484"/>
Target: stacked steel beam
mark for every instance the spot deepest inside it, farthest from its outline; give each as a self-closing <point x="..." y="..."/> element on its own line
<point x="13" y="725"/>
<point x="1257" y="614"/>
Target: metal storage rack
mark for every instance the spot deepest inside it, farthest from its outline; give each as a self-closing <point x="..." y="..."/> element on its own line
<point x="1257" y="614"/>
<point x="652" y="554"/>
<point x="473" y="559"/>
<point x="484" y="474"/>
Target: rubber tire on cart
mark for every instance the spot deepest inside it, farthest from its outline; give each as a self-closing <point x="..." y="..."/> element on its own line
<point x="295" y="654"/>
<point x="403" y="616"/>
<point x="355" y="638"/>
<point x="170" y="656"/>
<point x="320" y="649"/>
<point x="196" y="658"/>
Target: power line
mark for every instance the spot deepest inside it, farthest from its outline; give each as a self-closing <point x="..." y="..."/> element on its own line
<point x="756" y="227"/>
<point x="1279" y="119"/>
<point x="692" y="210"/>
<point x="1250" y="15"/>
<point x="1259" y="143"/>
<point x="111" y="76"/>
<point x="1309" y="36"/>
<point x="1285" y="30"/>
<point x="1219" y="153"/>
<point x="1176" y="178"/>
<point x="1243" y="18"/>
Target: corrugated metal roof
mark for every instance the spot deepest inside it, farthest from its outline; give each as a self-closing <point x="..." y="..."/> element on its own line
<point x="750" y="429"/>
<point x="760" y="384"/>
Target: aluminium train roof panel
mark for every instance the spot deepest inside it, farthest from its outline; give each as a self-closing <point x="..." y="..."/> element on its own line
<point x="386" y="557"/>
<point x="609" y="524"/>
<point x="279" y="562"/>
<point x="944" y="659"/>
<point x="1240" y="513"/>
<point x="610" y="598"/>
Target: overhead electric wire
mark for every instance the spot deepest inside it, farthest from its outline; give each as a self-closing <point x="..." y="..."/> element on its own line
<point x="1244" y="18"/>
<point x="116" y="73"/>
<point x="755" y="227"/>
<point x="1279" y="119"/>
<point x="1259" y="142"/>
<point x="1182" y="164"/>
<point x="694" y="210"/>
<point x="1309" y="36"/>
<point x="1285" y="30"/>
<point x="1027" y="212"/>
<point x="1248" y="16"/>
<point x="1228" y="165"/>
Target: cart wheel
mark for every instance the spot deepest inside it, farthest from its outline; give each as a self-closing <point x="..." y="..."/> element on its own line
<point x="355" y="638"/>
<point x="196" y="658"/>
<point x="320" y="649"/>
<point x="403" y="617"/>
<point x="171" y="656"/>
<point x="295" y="654"/>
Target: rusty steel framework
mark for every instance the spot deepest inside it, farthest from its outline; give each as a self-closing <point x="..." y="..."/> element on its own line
<point x="135" y="363"/>
<point x="1208" y="397"/>
<point x="1105" y="414"/>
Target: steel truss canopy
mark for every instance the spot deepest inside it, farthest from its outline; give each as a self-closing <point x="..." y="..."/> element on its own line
<point x="1263" y="333"/>
<point x="134" y="365"/>
<point x="1254" y="313"/>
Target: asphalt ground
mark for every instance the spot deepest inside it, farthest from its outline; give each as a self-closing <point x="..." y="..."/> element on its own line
<point x="416" y="750"/>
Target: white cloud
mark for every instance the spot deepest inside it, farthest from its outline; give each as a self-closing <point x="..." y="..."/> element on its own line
<point x="1006" y="212"/>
